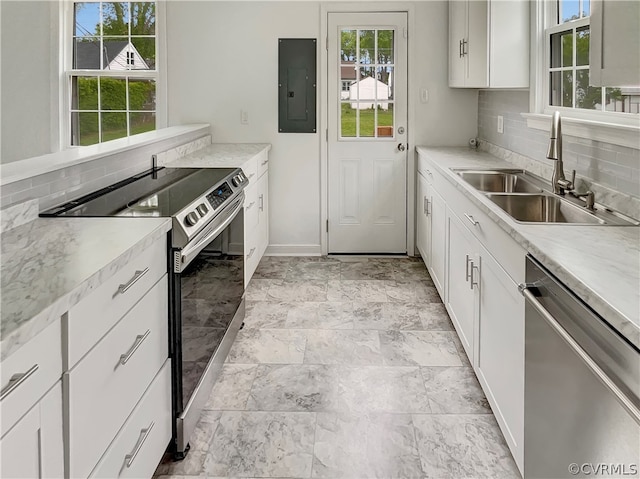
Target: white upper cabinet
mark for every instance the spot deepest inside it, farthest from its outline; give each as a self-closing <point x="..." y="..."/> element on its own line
<point x="614" y="54"/>
<point x="488" y="43"/>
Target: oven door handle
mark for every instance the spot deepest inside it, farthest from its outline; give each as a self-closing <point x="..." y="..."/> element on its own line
<point x="192" y="250"/>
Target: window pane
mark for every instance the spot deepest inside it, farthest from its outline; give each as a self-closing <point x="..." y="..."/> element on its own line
<point x="114" y="125"/>
<point x="84" y="129"/>
<point x="586" y="8"/>
<point x="114" y="53"/>
<point x="562" y="49"/>
<point x="385" y="120"/>
<point x="84" y="93"/>
<point x="348" y="113"/>
<point x="348" y="45"/>
<point x="625" y="99"/>
<point x="367" y="119"/>
<point x="144" y="53"/>
<point x="587" y="97"/>
<point x="115" y="18"/>
<point x="582" y="46"/>
<point x="142" y="95"/>
<point x="87" y="19"/>
<point x="561" y="90"/>
<point x="569" y="10"/>
<point x="385" y="83"/>
<point x="143" y="18"/>
<point x="113" y="94"/>
<point x="141" y="122"/>
<point x="385" y="46"/>
<point x="367" y="46"/>
<point x="86" y="53"/>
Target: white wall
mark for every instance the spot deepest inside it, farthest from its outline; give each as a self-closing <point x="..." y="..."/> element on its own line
<point x="27" y="31"/>
<point x="222" y="58"/>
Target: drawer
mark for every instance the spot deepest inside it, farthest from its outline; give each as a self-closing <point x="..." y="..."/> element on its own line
<point x="263" y="163"/>
<point x="91" y="318"/>
<point x="40" y="364"/>
<point x="250" y="170"/>
<point x="425" y="168"/>
<point x="103" y="388"/>
<point x="251" y="207"/>
<point x="140" y="444"/>
<point x="252" y="253"/>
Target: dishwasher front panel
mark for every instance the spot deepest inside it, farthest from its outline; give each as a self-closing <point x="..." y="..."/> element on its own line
<point x="575" y="426"/>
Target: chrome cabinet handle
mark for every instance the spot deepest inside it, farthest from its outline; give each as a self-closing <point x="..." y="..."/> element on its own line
<point x="470" y="218"/>
<point x="464" y="47"/>
<point x="124" y="358"/>
<point x="264" y="162"/>
<point x="460" y="48"/>
<point x="467" y="274"/>
<point x="251" y="175"/>
<point x="136" y="276"/>
<point x="16" y="380"/>
<point x="471" y="275"/>
<point x="261" y="198"/>
<point x="624" y="401"/>
<point x="251" y="251"/>
<point x="426" y="206"/>
<point x="250" y="205"/>
<point x="144" y="434"/>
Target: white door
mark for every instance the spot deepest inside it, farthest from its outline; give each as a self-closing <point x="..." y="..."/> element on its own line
<point x="367" y="155"/>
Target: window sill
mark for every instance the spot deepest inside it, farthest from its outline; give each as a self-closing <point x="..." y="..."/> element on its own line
<point x="621" y="135"/>
<point x="23" y="169"/>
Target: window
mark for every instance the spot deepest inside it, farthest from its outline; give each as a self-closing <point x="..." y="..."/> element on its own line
<point x="112" y="77"/>
<point x="567" y="65"/>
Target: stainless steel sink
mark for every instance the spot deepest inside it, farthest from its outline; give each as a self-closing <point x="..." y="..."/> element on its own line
<point x="499" y="181"/>
<point x="544" y="209"/>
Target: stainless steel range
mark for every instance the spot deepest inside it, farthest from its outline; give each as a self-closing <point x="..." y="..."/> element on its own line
<point x="206" y="266"/>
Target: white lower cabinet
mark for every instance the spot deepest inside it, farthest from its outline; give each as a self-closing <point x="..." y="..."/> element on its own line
<point x="256" y="221"/>
<point x="33" y="447"/>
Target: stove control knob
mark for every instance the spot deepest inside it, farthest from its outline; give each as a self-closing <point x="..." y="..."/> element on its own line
<point x="191" y="219"/>
<point x="235" y="180"/>
<point x="202" y="209"/>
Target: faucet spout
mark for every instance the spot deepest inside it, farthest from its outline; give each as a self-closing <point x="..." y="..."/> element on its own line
<point x="558" y="180"/>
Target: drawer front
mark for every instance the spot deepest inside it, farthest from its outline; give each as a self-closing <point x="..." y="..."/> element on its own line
<point x="251" y="253"/>
<point x="250" y="170"/>
<point x="96" y="314"/>
<point x="104" y="387"/>
<point x="425" y="168"/>
<point x="263" y="163"/>
<point x="37" y="365"/>
<point x="140" y="444"/>
<point x="251" y="207"/>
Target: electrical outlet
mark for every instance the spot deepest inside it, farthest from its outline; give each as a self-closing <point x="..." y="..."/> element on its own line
<point x="424" y="95"/>
<point x="244" y="117"/>
<point x="500" y="124"/>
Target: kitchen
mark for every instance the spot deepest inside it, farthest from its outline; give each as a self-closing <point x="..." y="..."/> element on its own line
<point x="208" y="84"/>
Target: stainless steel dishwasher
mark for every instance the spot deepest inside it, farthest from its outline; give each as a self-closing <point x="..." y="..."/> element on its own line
<point x="582" y="387"/>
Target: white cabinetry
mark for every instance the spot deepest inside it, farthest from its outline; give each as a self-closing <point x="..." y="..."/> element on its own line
<point x="256" y="213"/>
<point x="614" y="53"/>
<point x="109" y="376"/>
<point x="489" y="43"/>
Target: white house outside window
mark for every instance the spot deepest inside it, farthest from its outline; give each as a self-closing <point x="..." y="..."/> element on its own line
<point x="113" y="74"/>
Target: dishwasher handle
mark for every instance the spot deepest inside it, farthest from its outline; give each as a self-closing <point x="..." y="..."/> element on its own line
<point x="626" y="403"/>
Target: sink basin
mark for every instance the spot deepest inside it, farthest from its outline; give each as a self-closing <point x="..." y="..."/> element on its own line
<point x="499" y="181"/>
<point x="543" y="209"/>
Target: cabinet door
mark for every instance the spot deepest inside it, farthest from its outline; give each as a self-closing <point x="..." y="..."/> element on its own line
<point x="423" y="232"/>
<point x="500" y="366"/>
<point x="477" y="47"/>
<point x="263" y="213"/>
<point x="457" y="33"/>
<point x="438" y="238"/>
<point x="460" y="291"/>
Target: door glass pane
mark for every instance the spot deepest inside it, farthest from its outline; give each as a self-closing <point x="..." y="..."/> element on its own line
<point x="385" y="83"/>
<point x="587" y="97"/>
<point x="562" y="49"/>
<point x="367" y="46"/>
<point x="367" y="120"/>
<point x="582" y="46"/>
<point x="384" y="128"/>
<point x="348" y="45"/>
<point x="561" y="90"/>
<point x="348" y="113"/>
<point x="385" y="46"/>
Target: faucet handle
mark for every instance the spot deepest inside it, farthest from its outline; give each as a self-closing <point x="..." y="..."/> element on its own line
<point x="573" y="179"/>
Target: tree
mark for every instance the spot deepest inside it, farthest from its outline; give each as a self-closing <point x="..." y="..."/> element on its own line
<point x="115" y="22"/>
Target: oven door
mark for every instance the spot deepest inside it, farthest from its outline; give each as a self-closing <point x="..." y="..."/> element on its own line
<point x="207" y="312"/>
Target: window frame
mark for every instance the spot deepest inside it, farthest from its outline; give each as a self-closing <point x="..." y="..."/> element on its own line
<point x="67" y="72"/>
<point x="612" y="127"/>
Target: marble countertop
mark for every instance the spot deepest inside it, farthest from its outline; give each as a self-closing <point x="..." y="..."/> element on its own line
<point x="220" y="155"/>
<point x="50" y="264"/>
<point x="600" y="264"/>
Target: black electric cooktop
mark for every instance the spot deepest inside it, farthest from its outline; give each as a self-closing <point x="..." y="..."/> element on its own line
<point x="160" y="192"/>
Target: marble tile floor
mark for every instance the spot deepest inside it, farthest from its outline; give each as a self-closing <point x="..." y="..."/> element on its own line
<point x="346" y="368"/>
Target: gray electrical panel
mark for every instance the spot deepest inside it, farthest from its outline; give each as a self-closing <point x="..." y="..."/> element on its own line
<point x="297" y="85"/>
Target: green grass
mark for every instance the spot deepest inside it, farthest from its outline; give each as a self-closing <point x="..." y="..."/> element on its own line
<point x="367" y="120"/>
<point x="92" y="138"/>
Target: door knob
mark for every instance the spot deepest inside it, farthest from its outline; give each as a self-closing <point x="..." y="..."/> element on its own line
<point x="401" y="147"/>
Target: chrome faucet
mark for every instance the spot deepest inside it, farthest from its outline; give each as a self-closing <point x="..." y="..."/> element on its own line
<point x="558" y="181"/>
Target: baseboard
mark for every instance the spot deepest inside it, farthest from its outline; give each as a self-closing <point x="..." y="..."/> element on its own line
<point x="293" y="250"/>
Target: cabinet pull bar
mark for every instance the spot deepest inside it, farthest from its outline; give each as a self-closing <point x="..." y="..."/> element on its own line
<point x="124" y="358"/>
<point x="264" y="162"/>
<point x="251" y="175"/>
<point x="261" y="198"/>
<point x="136" y="276"/>
<point x="467" y="274"/>
<point x="144" y="434"/>
<point x="460" y="48"/>
<point x="473" y="282"/>
<point x="251" y="252"/>
<point x="250" y="205"/>
<point x="470" y="218"/>
<point x="16" y="380"/>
